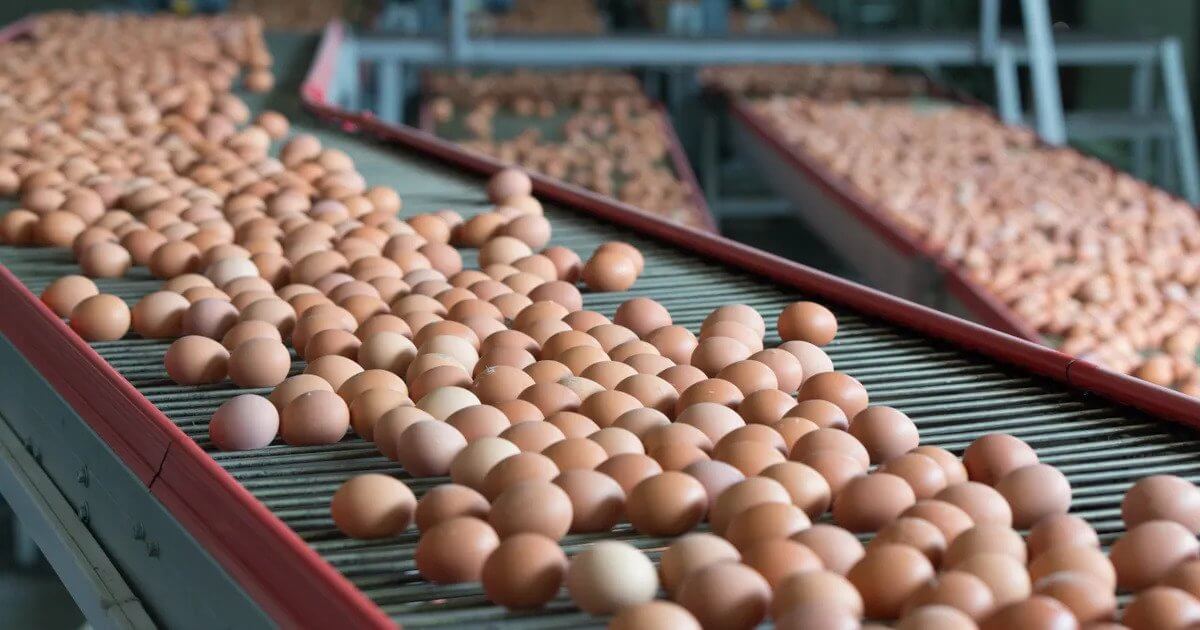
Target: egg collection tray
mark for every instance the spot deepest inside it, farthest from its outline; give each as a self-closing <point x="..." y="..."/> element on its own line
<point x="956" y="380"/>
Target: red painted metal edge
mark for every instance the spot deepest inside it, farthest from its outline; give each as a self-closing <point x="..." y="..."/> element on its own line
<point x="1022" y="353"/>
<point x="285" y="576"/>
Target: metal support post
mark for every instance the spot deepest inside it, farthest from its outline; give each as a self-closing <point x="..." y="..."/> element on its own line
<point x="1180" y="109"/>
<point x="1142" y="104"/>
<point x="391" y="91"/>
<point x="989" y="28"/>
<point x="458" y="34"/>
<point x="1008" y="88"/>
<point x="710" y="155"/>
<point x="1043" y="70"/>
<point x="716" y="16"/>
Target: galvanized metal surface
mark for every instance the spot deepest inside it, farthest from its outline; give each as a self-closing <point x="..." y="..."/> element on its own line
<point x="953" y="396"/>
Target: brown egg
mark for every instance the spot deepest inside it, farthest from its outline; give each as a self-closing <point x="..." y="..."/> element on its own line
<point x="980" y="502"/>
<point x="288" y="390"/>
<point x="869" y="502"/>
<point x="516" y="469"/>
<point x="366" y="380"/>
<point x="1145" y="554"/>
<point x="949" y="518"/>
<point x="195" y="360"/>
<point x="209" y="317"/>
<point x="788" y="371"/>
<point x="1002" y="573"/>
<point x="838" y="388"/>
<point x="524" y="571"/>
<point x="923" y="475"/>
<point x="472" y="464"/>
<point x="629" y="469"/>
<point x="765" y="521"/>
<point x="885" y="432"/>
<point x="653" y="616"/>
<point x="576" y="453"/>
<point x="824" y="588"/>
<point x="260" y="362"/>
<point x="831" y="440"/>
<point x="240" y="333"/>
<point x="427" y="447"/>
<point x="836" y="467"/>
<point x="508" y="183"/>
<point x="955" y="471"/>
<point x="709" y="390"/>
<point x="372" y="506"/>
<point x="276" y="312"/>
<point x="101" y="317"/>
<point x="916" y="533"/>
<point x="674" y="342"/>
<point x="447" y="501"/>
<point x="519" y="411"/>
<point x="597" y="501"/>
<point x="765" y="406"/>
<point x="58" y="228"/>
<point x="993" y="456"/>
<point x="776" y="559"/>
<point x="690" y="553"/>
<point x="314" y="417"/>
<point x="716" y="353"/>
<point x="1038" y="611"/>
<point x="744" y="495"/>
<point x="1060" y="530"/>
<point x="1086" y="598"/>
<point x="1162" y="497"/>
<point x="750" y="457"/>
<point x="479" y="421"/>
<point x="533" y="506"/>
<point x="243" y="423"/>
<point x="1161" y="607"/>
<point x="792" y="429"/>
<point x="957" y="589"/>
<point x="823" y="413"/>
<point x="442" y="402"/>
<point x="1185" y="576"/>
<point x="725" y="595"/>
<point x="455" y="550"/>
<point x="642" y="315"/>
<point x="1035" y="492"/>
<point x="667" y="504"/>
<point x="749" y="376"/>
<point x="807" y="321"/>
<point x="335" y="369"/>
<point x="652" y="391"/>
<point x="65" y="293"/>
<point x="615" y="441"/>
<point x="808" y="489"/>
<point x="986" y="538"/>
<point x="609" y="271"/>
<point x="1077" y="558"/>
<point x="368" y="407"/>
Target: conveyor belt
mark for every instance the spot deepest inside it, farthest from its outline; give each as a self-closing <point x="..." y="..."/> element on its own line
<point x="954" y="395"/>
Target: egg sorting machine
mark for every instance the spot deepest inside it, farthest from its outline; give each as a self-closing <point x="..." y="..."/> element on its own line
<point x="151" y="525"/>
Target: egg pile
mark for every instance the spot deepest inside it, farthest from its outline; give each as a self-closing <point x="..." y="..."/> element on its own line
<point x="825" y="82"/>
<point x="1106" y="265"/>
<point x="528" y="17"/>
<point x="613" y="142"/>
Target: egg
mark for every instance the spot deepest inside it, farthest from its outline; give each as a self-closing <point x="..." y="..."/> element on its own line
<point x="427" y="448"/>
<point x="887" y="576"/>
<point x="209" y="317"/>
<point x="824" y="588"/>
<point x="446" y="501"/>
<point x="508" y="183"/>
<point x="725" y="595"/>
<point x="744" y="495"/>
<point x="985" y="538"/>
<point x="372" y="506"/>
<point x="954" y="469"/>
<point x="765" y="521"/>
<point x="936" y="617"/>
<point x="628" y="469"/>
<point x="885" y="432"/>
<point x="472" y="464"/>
<point x="66" y="292"/>
<point x="823" y="413"/>
<point x="244" y="422"/>
<point x="838" y="388"/>
<point x="101" y="317"/>
<point x="1185" y="576"/>
<point x="776" y="559"/>
<point x="666" y="504"/>
<point x="524" y="571"/>
<point x="831" y="440"/>
<point x="957" y="589"/>
<point x="610" y="575"/>
<point x="1003" y="574"/>
<point x="455" y="550"/>
<point x="1060" y="530"/>
<point x="1161" y="607"/>
<point x="516" y="469"/>
<point x="807" y="321"/>
<point x="1162" y="497"/>
<point x="1144" y="554"/>
<point x="609" y="271"/>
<point x="1086" y="598"/>
<point x="993" y="456"/>
<point x="368" y="407"/>
<point x="1077" y="558"/>
<point x="597" y="501"/>
<point x="292" y="387"/>
<point x="653" y="616"/>
<point x="982" y="503"/>
<point x="1035" y="492"/>
<point x="916" y="533"/>
<point x="260" y="362"/>
<point x="314" y="417"/>
<point x="921" y="472"/>
<point x="532" y="506"/>
<point x="196" y="360"/>
<point x="1036" y="612"/>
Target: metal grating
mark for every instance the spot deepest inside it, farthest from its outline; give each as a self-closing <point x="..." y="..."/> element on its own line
<point x="953" y="396"/>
